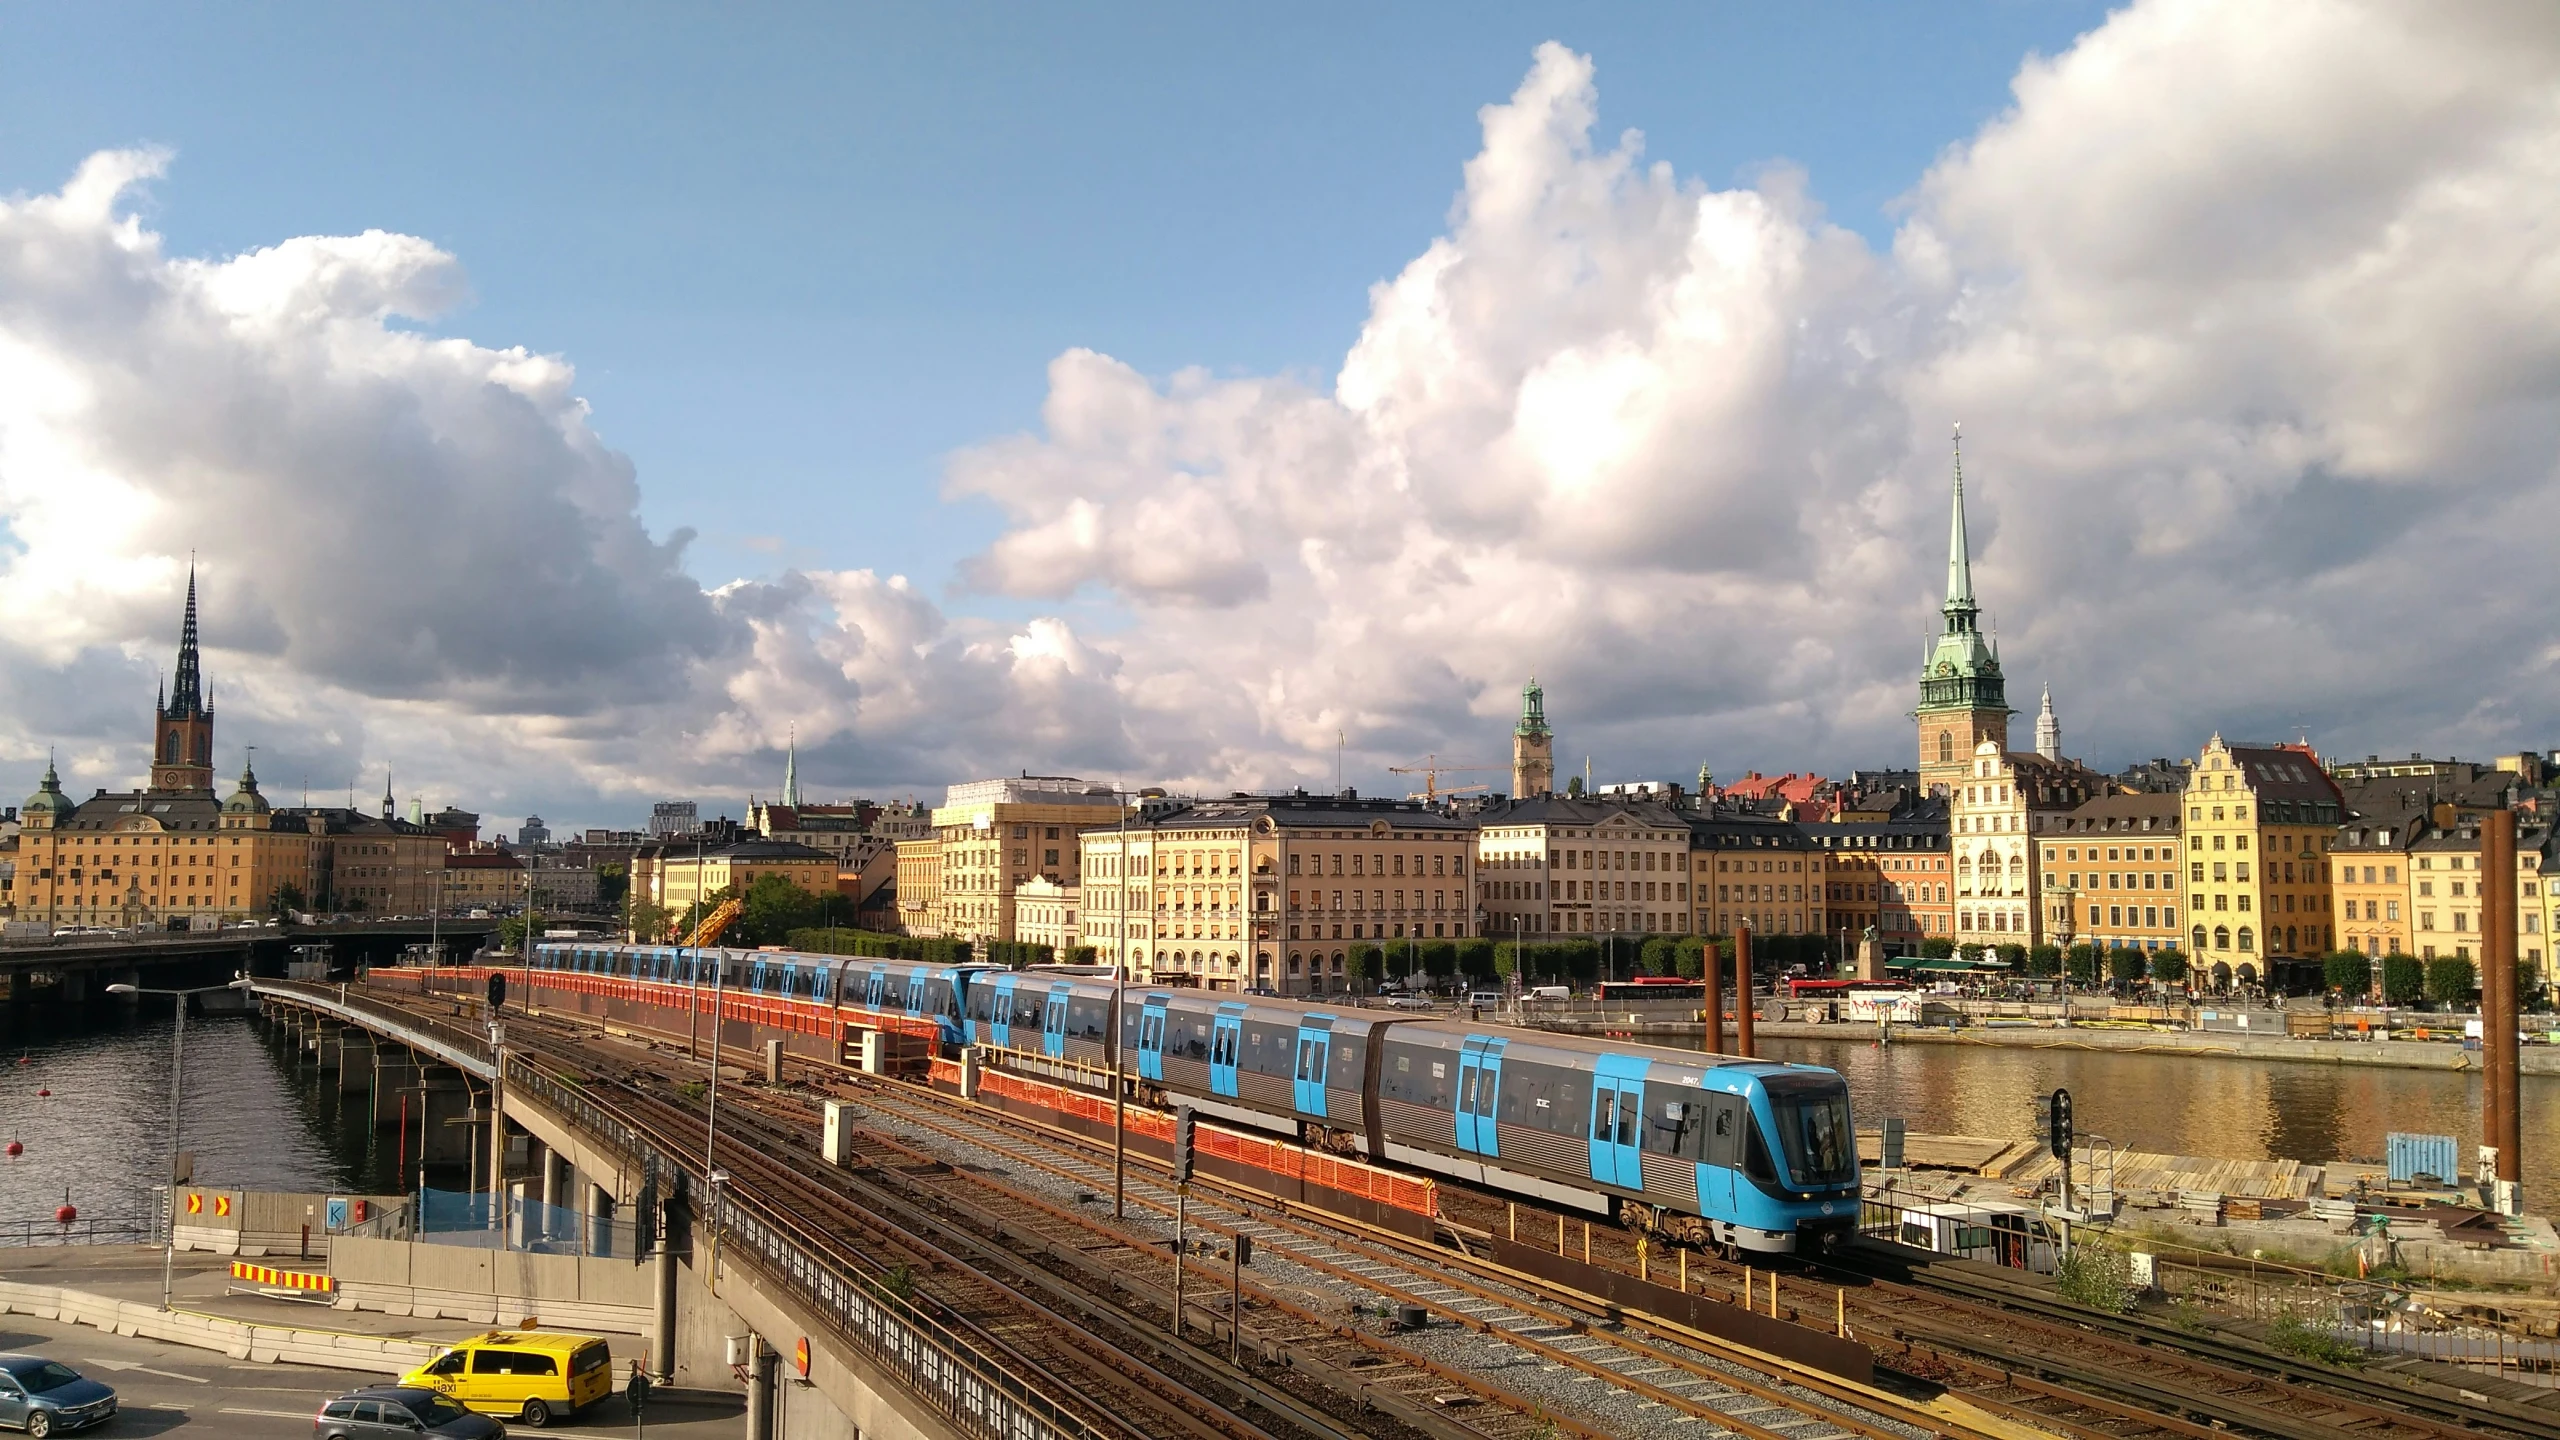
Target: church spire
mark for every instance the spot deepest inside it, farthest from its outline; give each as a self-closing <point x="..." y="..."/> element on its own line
<point x="791" y="771"/>
<point x="186" y="697"/>
<point x="2048" y="729"/>
<point x="1959" y="553"/>
<point x="387" y="808"/>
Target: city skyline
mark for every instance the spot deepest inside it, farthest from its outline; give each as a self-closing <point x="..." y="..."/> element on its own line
<point x="2254" y="444"/>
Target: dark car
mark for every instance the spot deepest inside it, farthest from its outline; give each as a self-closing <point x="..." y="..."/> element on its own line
<point x="400" y="1412"/>
<point x="46" y="1397"/>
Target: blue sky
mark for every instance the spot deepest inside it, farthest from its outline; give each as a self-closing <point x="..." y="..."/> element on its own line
<point x="800" y="253"/>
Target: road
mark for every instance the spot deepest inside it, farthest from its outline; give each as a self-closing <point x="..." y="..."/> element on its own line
<point x="206" y="1395"/>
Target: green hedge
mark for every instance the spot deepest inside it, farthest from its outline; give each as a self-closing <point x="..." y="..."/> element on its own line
<point x="2451" y="979"/>
<point x="887" y="947"/>
<point x="2347" y="972"/>
<point x="2404" y="980"/>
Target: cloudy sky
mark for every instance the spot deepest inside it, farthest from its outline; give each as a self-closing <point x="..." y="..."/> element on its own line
<point x="563" y="406"/>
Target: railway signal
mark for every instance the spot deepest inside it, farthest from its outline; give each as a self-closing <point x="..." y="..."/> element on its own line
<point x="497" y="991"/>
<point x="2058" y="1125"/>
<point x="1182" y="1144"/>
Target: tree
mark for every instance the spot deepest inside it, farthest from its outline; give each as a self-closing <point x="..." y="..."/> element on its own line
<point x="1573" y="787"/>
<point x="2014" y="953"/>
<point x="1084" y="955"/>
<point x="2080" y="962"/>
<point x="1657" y="954"/>
<point x="1689" y="959"/>
<point x="612" y="883"/>
<point x="2403" y="979"/>
<point x="2124" y="965"/>
<point x="646" y="919"/>
<point x="1477" y="956"/>
<point x="2451" y="979"/>
<point x="774" y="908"/>
<point x="2044" y="961"/>
<point x="286" y="898"/>
<point x="2169" y="966"/>
<point x="2347" y="973"/>
<point x="1362" y="965"/>
<point x="1937" y="947"/>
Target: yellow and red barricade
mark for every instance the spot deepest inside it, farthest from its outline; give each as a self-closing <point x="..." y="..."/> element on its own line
<point x="276" y="1279"/>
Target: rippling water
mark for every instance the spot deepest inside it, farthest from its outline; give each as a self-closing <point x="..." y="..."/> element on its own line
<point x="104" y="1132"/>
<point x="2181" y="1105"/>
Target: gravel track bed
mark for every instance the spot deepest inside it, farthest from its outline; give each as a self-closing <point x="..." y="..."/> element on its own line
<point x="1588" y="1398"/>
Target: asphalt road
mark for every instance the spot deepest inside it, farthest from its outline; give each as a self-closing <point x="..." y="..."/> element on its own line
<point x="207" y="1395"/>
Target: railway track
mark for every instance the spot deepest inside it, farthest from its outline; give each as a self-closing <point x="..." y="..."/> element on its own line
<point x="2016" y="1355"/>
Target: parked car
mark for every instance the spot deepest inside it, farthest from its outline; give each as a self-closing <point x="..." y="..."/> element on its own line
<point x="398" y="1412"/>
<point x="43" y="1397"/>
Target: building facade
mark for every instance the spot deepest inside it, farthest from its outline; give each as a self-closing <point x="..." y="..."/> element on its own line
<point x="1045" y="913"/>
<point x="1888" y="874"/>
<point x="2112" y="873"/>
<point x="1964" y="699"/>
<point x="1555" y="865"/>
<point x="997" y="834"/>
<point x="1997" y="816"/>
<point x="1756" y="870"/>
<point x="2260" y="822"/>
<point x="920" y="887"/>
<point x="677" y="876"/>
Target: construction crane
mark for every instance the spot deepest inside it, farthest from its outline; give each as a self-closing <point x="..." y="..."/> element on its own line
<point x="1432" y="768"/>
<point x="709" y="930"/>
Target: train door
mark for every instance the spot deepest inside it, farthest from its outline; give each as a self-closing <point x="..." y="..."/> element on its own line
<point x="1151" y="1039"/>
<point x="1617" y="1113"/>
<point x="1000" y="1014"/>
<point x="917" y="1001"/>
<point x="1226" y="1042"/>
<point x="875" y="987"/>
<point x="1053" y="1023"/>
<point x="1719" y="1152"/>
<point x="1479" y="1080"/>
<point x="1315" y="1057"/>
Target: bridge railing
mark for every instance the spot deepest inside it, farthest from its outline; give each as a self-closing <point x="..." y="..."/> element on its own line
<point x="969" y="1390"/>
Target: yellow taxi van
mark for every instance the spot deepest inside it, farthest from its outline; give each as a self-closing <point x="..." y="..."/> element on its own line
<point x="540" y="1375"/>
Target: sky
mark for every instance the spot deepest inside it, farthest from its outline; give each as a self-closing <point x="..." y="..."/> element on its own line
<point x="568" y="405"/>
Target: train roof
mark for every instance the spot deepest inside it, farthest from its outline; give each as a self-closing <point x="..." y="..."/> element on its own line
<point x="1454" y="1033"/>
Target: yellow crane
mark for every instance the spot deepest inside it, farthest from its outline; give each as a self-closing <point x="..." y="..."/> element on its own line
<point x="1432" y="768"/>
<point x="711" y="926"/>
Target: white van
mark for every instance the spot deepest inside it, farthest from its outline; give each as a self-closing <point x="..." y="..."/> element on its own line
<point x="1550" y="992"/>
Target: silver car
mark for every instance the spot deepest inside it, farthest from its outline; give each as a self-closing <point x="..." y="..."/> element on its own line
<point x="46" y="1397"/>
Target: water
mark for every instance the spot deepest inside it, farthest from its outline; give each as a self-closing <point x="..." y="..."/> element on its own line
<point x="2180" y="1105"/>
<point x="104" y="1132"/>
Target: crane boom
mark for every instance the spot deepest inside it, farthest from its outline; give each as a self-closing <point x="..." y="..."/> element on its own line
<point x="1431" y="769"/>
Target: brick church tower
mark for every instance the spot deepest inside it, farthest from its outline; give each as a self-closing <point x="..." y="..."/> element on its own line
<point x="1963" y="698"/>
<point x="182" y="745"/>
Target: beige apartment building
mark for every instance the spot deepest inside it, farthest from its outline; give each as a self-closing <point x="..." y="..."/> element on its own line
<point x="1271" y="891"/>
<point x="1886" y="873"/>
<point x="1750" y="869"/>
<point x="2260" y="823"/>
<point x="997" y="835"/>
<point x="676" y="876"/>
<point x="920" y="888"/>
<point x="1997" y="817"/>
<point x="1552" y="865"/>
<point x="2369" y="882"/>
<point x="2111" y="871"/>
<point x="1045" y="913"/>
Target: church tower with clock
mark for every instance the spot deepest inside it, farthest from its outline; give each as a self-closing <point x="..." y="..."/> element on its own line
<point x="1963" y="698"/>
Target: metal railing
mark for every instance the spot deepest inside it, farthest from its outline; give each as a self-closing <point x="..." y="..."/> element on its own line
<point x="133" y="1227"/>
<point x="969" y="1390"/>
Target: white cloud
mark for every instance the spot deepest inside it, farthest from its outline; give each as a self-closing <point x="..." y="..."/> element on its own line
<point x="2250" y="311"/>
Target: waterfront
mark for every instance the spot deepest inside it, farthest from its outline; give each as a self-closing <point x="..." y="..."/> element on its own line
<point x="104" y="1131"/>
<point x="2181" y="1105"/>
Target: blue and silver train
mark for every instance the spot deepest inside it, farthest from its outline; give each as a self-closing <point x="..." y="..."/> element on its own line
<point x="1738" y="1154"/>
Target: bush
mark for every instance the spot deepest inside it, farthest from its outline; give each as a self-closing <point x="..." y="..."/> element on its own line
<point x="2404" y="979"/>
<point x="2299" y="1337"/>
<point x="1937" y="948"/>
<point x="1477" y="957"/>
<point x="1657" y="954"/>
<point x="1362" y="964"/>
<point x="1441" y="957"/>
<point x="2125" y="965"/>
<point x="2096" y="1276"/>
<point x="2170" y="966"/>
<point x="1689" y="958"/>
<point x="2080" y="962"/>
<point x="2044" y="960"/>
<point x="822" y="941"/>
<point x="2014" y="953"/>
<point x="2450" y="981"/>
<point x="1019" y="954"/>
<point x="2347" y="973"/>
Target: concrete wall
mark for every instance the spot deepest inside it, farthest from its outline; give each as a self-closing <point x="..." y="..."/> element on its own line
<point x="492" y="1287"/>
<point x="236" y="1338"/>
<point x="266" y="1223"/>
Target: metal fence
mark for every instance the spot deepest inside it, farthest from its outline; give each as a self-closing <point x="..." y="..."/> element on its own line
<point x="968" y="1389"/>
<point x="123" y="1227"/>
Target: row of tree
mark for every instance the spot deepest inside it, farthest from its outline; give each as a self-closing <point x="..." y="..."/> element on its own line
<point x="2406" y="979"/>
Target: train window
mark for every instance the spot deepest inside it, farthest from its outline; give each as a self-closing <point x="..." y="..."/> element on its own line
<point x="1722" y="1140"/>
<point x="1604" y="1115"/>
<point x="1918" y="1236"/>
<point x="1466" y="1092"/>
<point x="1755" y="1155"/>
<point x="1629" y="1118"/>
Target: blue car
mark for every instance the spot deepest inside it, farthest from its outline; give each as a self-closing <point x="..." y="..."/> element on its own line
<point x="46" y="1397"/>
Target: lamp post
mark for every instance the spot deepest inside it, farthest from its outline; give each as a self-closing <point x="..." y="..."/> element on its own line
<point x="177" y="1094"/>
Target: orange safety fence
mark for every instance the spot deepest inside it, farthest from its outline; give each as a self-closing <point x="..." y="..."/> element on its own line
<point x="283" y="1279"/>
<point x="1257" y="1152"/>
<point x="943" y="1072"/>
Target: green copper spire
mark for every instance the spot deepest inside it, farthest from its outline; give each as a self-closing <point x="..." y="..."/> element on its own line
<point x="1962" y="671"/>
<point x="1533" y="710"/>
<point x="1959" y="559"/>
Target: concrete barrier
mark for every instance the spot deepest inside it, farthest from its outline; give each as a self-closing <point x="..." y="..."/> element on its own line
<point x="492" y="1287"/>
<point x="239" y="1339"/>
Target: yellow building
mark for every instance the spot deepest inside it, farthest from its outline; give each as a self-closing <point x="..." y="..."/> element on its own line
<point x="2369" y="882"/>
<point x="997" y="834"/>
<point x="1271" y="891"/>
<point x="2260" y="823"/>
<point x="1889" y="873"/>
<point x="920" y="887"/>
<point x="677" y="876"/>
<point x="1044" y="913"/>
<point x="1756" y="870"/>
<point x="2112" y="873"/>
<point x="1554" y="865"/>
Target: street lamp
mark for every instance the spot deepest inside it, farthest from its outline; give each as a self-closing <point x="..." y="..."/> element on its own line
<point x="177" y="1092"/>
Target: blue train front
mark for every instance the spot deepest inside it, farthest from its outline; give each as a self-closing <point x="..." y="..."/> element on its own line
<point x="1738" y="1154"/>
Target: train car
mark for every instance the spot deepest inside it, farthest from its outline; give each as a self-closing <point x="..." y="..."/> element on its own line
<point x="1063" y="1017"/>
<point x="1298" y="1070"/>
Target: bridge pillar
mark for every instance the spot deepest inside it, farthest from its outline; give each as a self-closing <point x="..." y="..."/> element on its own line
<point x="74" y="987"/>
<point x="599" y="1210"/>
<point x="449" y="1135"/>
<point x="357" y="1057"/>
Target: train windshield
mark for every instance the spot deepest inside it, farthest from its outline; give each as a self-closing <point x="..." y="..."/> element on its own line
<point x="1814" y="1129"/>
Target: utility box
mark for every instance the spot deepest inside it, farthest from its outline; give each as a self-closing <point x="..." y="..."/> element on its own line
<point x="741" y="1349"/>
<point x="837" y="1140"/>
<point x="969" y="1073"/>
<point x="773" y="1062"/>
<point x="869" y="1061"/>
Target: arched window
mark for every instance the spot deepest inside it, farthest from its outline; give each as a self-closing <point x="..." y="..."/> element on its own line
<point x="169" y="748"/>
<point x="2222" y="937"/>
<point x="2246" y="937"/>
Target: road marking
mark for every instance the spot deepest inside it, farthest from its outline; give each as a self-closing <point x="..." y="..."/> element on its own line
<point x="269" y="1414"/>
<point x="121" y="1366"/>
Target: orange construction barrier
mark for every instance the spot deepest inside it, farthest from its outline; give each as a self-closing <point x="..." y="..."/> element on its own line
<point x="283" y="1279"/>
